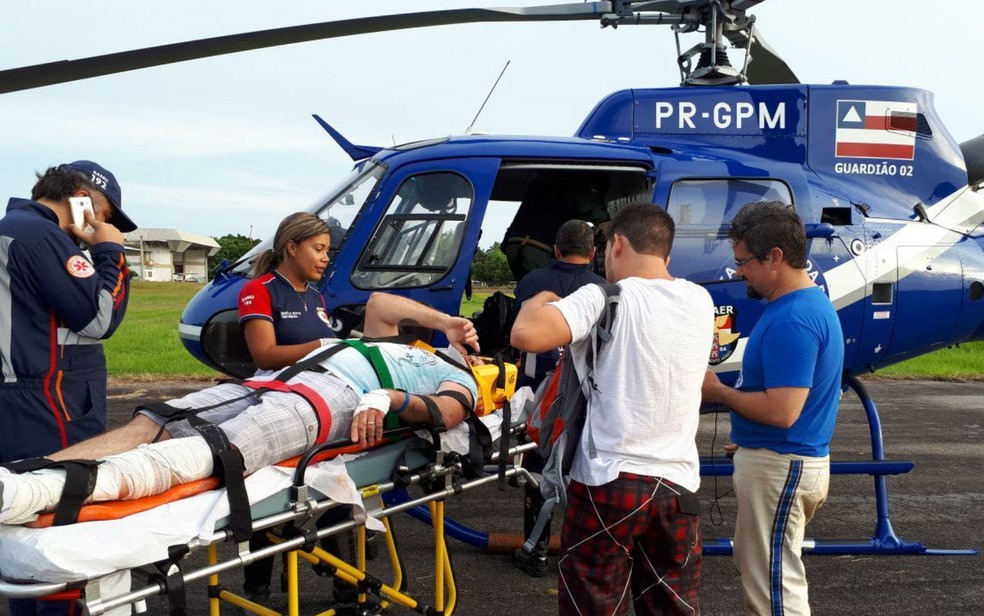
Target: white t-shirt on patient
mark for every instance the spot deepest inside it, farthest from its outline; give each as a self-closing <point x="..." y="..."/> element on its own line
<point x="644" y="414"/>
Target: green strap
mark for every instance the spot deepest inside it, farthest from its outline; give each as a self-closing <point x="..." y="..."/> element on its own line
<point x="375" y="357"/>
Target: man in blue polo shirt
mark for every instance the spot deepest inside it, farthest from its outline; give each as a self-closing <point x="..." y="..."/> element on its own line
<point x="784" y="407"/>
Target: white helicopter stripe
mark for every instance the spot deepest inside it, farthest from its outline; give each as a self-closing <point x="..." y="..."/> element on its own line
<point x="959" y="213"/>
<point x="954" y="216"/>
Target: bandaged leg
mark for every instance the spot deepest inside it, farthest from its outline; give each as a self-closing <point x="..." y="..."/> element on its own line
<point x="147" y="470"/>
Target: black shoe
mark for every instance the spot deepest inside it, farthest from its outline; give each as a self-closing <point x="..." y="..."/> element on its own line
<point x="531" y="564"/>
<point x="372" y="545"/>
<point x="259" y="593"/>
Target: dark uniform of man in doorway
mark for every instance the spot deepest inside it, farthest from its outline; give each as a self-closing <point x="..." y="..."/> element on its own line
<point x="55" y="307"/>
<point x="551" y="199"/>
<point x="570" y="270"/>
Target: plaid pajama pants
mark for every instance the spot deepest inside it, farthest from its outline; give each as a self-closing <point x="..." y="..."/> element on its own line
<point x="635" y="541"/>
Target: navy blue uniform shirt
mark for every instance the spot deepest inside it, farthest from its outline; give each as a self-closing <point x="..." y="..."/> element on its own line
<point x="562" y="279"/>
<point x="297" y="316"/>
<point x="55" y="307"/>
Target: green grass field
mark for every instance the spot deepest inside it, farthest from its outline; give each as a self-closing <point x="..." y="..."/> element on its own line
<point x="147" y="345"/>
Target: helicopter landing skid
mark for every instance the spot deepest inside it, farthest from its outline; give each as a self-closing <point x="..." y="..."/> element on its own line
<point x="884" y="541"/>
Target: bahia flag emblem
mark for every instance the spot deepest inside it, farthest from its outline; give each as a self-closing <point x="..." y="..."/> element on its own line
<point x="875" y="129"/>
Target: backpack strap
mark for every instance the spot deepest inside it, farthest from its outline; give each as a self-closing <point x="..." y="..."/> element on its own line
<point x="601" y="332"/>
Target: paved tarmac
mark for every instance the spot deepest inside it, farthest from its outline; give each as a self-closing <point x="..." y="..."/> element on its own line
<point x="939" y="426"/>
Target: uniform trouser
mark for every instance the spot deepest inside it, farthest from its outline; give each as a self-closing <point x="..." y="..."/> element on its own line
<point x="777" y="494"/>
<point x="35" y="421"/>
<point x="524" y="258"/>
<point x="634" y="541"/>
<point x="33" y="607"/>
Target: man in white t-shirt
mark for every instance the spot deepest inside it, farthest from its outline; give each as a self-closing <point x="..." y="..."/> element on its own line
<point x="631" y="525"/>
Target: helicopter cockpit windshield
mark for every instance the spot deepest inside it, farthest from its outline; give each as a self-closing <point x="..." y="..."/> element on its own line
<point x="339" y="209"/>
<point x="420" y="236"/>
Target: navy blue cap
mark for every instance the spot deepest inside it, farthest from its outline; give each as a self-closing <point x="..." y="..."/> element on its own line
<point x="105" y="182"/>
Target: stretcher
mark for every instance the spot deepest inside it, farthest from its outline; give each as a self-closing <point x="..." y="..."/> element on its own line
<point x="111" y="565"/>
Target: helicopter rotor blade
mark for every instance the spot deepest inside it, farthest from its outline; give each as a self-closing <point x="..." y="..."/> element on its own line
<point x="766" y="67"/>
<point x="39" y="75"/>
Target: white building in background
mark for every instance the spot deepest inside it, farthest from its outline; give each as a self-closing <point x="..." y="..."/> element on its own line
<point x="162" y="255"/>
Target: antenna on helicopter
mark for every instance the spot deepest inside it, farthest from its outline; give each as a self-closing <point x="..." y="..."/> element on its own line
<point x="469" y="130"/>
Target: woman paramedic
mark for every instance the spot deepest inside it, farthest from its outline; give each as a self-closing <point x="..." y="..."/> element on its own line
<point x="284" y="318"/>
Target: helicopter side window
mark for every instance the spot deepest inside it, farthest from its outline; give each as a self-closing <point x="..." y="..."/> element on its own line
<point x="418" y="240"/>
<point x="714" y="203"/>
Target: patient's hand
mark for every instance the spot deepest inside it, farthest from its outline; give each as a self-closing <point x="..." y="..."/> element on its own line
<point x="461" y="333"/>
<point x="367" y="420"/>
<point x="367" y="428"/>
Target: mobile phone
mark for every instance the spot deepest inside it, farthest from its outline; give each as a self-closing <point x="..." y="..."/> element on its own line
<point x="79" y="206"/>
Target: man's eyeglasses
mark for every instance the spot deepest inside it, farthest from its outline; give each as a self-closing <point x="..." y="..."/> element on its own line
<point x="742" y="262"/>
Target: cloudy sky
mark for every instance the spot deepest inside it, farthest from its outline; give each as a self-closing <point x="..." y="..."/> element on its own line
<point x="228" y="145"/>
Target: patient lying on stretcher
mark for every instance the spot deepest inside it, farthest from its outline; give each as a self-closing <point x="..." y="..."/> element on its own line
<point x="268" y="428"/>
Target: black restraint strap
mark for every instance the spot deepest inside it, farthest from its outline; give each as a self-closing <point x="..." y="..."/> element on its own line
<point x="460" y="397"/>
<point x="437" y="418"/>
<point x="80" y="481"/>
<point x="173" y="579"/>
<point x="506" y="423"/>
<point x="227" y="465"/>
<point x="479" y="437"/>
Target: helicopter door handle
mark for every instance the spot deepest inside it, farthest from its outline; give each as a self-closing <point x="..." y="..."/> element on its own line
<point x="823" y="229"/>
<point x="446" y="287"/>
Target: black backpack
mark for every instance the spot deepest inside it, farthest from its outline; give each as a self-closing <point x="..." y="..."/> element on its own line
<point x="494" y="324"/>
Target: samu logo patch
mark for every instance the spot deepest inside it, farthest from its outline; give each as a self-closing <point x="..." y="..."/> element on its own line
<point x="79" y="267"/>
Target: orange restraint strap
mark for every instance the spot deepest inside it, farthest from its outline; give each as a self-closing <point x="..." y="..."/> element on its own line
<point x="312" y="397"/>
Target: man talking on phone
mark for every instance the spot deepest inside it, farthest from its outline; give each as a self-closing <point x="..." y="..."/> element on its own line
<point x="56" y="305"/>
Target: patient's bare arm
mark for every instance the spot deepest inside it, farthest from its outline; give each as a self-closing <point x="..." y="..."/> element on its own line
<point x="385" y="313"/>
<point x="138" y="431"/>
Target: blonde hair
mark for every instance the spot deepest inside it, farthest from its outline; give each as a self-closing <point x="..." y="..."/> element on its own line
<point x="295" y="228"/>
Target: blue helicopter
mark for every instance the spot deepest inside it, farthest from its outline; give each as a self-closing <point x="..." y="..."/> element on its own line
<point x="889" y="199"/>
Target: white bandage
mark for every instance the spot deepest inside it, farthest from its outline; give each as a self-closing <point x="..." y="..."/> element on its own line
<point x="152" y="469"/>
<point x="22" y="497"/>
<point x="376" y="399"/>
<point x="147" y="470"/>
